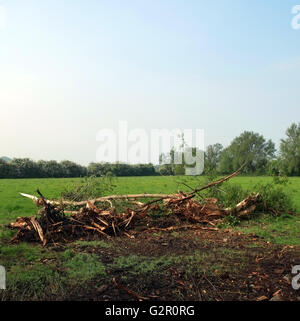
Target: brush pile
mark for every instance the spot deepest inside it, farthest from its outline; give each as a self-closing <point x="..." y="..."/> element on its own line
<point x="209" y="209"/>
<point x="56" y="224"/>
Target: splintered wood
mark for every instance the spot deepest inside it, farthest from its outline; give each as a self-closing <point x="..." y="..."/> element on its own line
<point x="52" y="225"/>
<point x="55" y="223"/>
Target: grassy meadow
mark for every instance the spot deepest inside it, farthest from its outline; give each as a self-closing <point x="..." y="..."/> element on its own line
<point x="71" y="271"/>
<point x="13" y="205"/>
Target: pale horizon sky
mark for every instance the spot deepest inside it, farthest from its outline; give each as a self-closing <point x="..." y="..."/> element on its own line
<point x="69" y="68"/>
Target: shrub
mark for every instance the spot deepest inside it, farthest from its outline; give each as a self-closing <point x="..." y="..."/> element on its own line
<point x="274" y="197"/>
<point x="89" y="187"/>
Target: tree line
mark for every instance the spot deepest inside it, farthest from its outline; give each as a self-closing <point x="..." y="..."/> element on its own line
<point x="251" y="148"/>
<point x="259" y="154"/>
<point x="27" y="168"/>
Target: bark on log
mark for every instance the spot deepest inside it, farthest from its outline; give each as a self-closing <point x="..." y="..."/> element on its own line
<point x="100" y="199"/>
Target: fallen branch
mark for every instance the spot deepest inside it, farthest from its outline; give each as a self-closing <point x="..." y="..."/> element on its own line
<point x="159" y="197"/>
<point x="219" y="181"/>
<point x="100" y="199"/>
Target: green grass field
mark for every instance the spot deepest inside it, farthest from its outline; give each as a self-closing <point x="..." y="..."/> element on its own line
<point x="73" y="269"/>
<point x="13" y="205"/>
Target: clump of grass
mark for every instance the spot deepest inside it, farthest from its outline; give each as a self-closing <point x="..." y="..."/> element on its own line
<point x="22" y="253"/>
<point x="282" y="229"/>
<point x="81" y="267"/>
<point x="36" y="282"/>
<point x="27" y="278"/>
<point x="95" y="244"/>
<point x="6" y="234"/>
<point x="145" y="268"/>
<point x="200" y="263"/>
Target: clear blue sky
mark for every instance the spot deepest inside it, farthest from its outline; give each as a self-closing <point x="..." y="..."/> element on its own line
<point x="71" y="67"/>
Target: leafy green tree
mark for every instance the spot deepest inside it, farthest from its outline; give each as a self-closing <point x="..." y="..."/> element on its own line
<point x="5" y="169"/>
<point x="166" y="170"/>
<point x="176" y="162"/>
<point x="166" y="161"/>
<point x="71" y="169"/>
<point x="212" y="157"/>
<point x="120" y="169"/>
<point x="290" y="151"/>
<point x="50" y="169"/>
<point x="274" y="167"/>
<point x="95" y="169"/>
<point x="249" y="147"/>
<point x="24" y="168"/>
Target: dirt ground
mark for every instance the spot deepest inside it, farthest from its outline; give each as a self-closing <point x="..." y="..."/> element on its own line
<point x="194" y="264"/>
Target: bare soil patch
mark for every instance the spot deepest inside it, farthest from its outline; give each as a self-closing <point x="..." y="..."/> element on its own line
<point x="195" y="265"/>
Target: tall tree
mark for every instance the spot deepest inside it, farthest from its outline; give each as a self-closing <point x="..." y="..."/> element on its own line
<point x="212" y="157"/>
<point x="50" y="168"/>
<point x="290" y="151"/>
<point x="249" y="147"/>
<point x="5" y="169"/>
<point x="71" y="169"/>
<point x="24" y="168"/>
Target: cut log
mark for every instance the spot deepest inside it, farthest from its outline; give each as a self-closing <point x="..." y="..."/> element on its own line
<point x="100" y="199"/>
<point x="245" y="207"/>
<point x="39" y="230"/>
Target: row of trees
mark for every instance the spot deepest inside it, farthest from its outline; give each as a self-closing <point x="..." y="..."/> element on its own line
<point x="260" y="154"/>
<point x="27" y="168"/>
<point x="250" y="147"/>
<point x="119" y="169"/>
